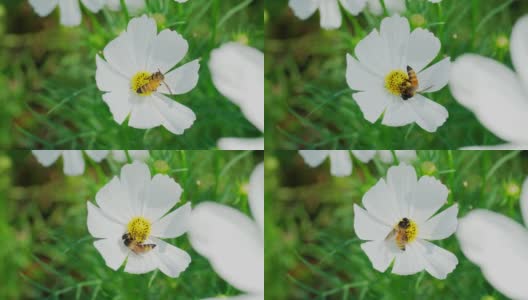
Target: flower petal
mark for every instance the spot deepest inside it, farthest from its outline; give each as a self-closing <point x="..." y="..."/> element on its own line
<point x="113" y="251"/>
<point x="100" y="225"/>
<point x="171" y="260"/>
<point x="368" y="227"/>
<point x="135" y="178"/>
<point x="379" y="254"/>
<point x="429" y="114"/>
<point x="435" y="77"/>
<point x="500" y="253"/>
<point x="519" y="49"/>
<point x="94" y="5"/>
<point x="175" y="117"/>
<point x="117" y="53"/>
<point x="423" y="48"/>
<point x="46" y="157"/>
<point x="182" y="79"/>
<point x="395" y="31"/>
<point x="256" y="195"/>
<point x="162" y="194"/>
<point x="408" y="262"/>
<point x="97" y="155"/>
<point x="354" y="6"/>
<point x="380" y="202"/>
<point x="359" y="78"/>
<point x="70" y="13"/>
<point x="330" y="14"/>
<point x="144" y="114"/>
<point x="44" y="7"/>
<point x="438" y="262"/>
<point x="372" y="103"/>
<point x="398" y="113"/>
<point x="402" y="181"/>
<point x="373" y="54"/>
<point x="213" y="228"/>
<point x="426" y="198"/>
<point x="107" y="78"/>
<point x="440" y="226"/>
<point x="241" y="144"/>
<point x="167" y="49"/>
<point x="142" y="263"/>
<point x="303" y="9"/>
<point x="494" y="93"/>
<point x="113" y="199"/>
<point x="141" y="33"/>
<point x="340" y="163"/>
<point x="364" y="155"/>
<point x="313" y="158"/>
<point x="524" y="200"/>
<point x="73" y="162"/>
<point x="174" y="224"/>
<point x="119" y="104"/>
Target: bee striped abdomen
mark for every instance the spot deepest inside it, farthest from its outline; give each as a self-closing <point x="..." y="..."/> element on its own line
<point x="409" y="87"/>
<point x="154" y="81"/>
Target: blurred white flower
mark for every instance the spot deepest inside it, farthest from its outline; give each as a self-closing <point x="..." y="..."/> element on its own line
<point x="132" y="5"/>
<point x="330" y="14"/>
<point x="341" y="163"/>
<point x="73" y="161"/>
<point x="494" y="93"/>
<point x="238" y="73"/>
<point x="381" y="75"/>
<point x="131" y="59"/>
<point x="70" y="11"/>
<point x="232" y="242"/>
<point x="499" y="246"/>
<point x="399" y="220"/>
<point x="120" y="155"/>
<point x="137" y="205"/>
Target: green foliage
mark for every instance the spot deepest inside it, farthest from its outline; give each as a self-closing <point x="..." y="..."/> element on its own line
<point x="48" y="252"/>
<point x="310" y="106"/>
<point x="49" y="96"/>
<point x="319" y="255"/>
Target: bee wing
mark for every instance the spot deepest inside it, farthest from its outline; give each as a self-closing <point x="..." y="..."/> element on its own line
<point x="426" y="89"/>
<point x="391" y="235"/>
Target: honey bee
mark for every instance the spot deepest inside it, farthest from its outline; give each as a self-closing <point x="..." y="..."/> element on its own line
<point x="399" y="233"/>
<point x="135" y="246"/>
<point x="409" y="87"/>
<point x="154" y="81"/>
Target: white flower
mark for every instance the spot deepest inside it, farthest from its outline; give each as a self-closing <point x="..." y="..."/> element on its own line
<point x="73" y="160"/>
<point x="499" y="246"/>
<point x="132" y="5"/>
<point x="403" y="201"/>
<point x="136" y="204"/>
<point x="384" y="59"/>
<point x="238" y="73"/>
<point x="329" y="9"/>
<point x="232" y="242"/>
<point x="70" y="12"/>
<point x="130" y="59"/>
<point x="341" y="163"/>
<point x="181" y="1"/>
<point x="120" y="155"/>
<point x="494" y="93"/>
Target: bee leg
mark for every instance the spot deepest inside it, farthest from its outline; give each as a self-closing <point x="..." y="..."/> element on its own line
<point x="167" y="87"/>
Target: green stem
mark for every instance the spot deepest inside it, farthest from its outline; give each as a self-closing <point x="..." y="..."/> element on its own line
<point x="385" y="11"/>
<point x="125" y="10"/>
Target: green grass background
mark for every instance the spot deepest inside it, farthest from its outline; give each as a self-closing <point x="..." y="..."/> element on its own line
<point x="310" y="106"/>
<point x="312" y="251"/>
<point x="47" y="252"/>
<point x="48" y="93"/>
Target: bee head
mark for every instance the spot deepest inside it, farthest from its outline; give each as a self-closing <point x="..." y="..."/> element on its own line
<point x="404" y="223"/>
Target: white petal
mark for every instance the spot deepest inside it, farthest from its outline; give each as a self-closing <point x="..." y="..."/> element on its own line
<point x="372" y="103"/>
<point x="373" y="54"/>
<point x="340" y="163"/>
<point x="359" y="78"/>
<point x="241" y="144"/>
<point x="524" y="200"/>
<point x="171" y="260"/>
<point x="500" y="252"/>
<point x="408" y="262"/>
<point x="398" y="113"/>
<point x="368" y="227"/>
<point x="438" y="262"/>
<point x="402" y="181"/>
<point x="406" y="155"/>
<point x="144" y="113"/>
<point x="141" y="33"/>
<point x="142" y="263"/>
<point x="354" y="6"/>
<point x="395" y="31"/>
<point x="113" y="199"/>
<point x="120" y="155"/>
<point x="429" y="114"/>
<point x="497" y="147"/>
<point x="100" y="225"/>
<point x="303" y="9"/>
<point x="46" y="157"/>
<point x="519" y="49"/>
<point x="426" y="198"/>
<point x="364" y="155"/>
<point x="494" y="93"/>
<point x="214" y="227"/>
<point x="162" y="194"/>
<point x="393" y="6"/>
<point x="330" y="14"/>
<point x="119" y="104"/>
<point x="70" y="12"/>
<point x="107" y="78"/>
<point x="435" y="77"/>
<point x="313" y="158"/>
<point x="43" y="7"/>
<point x="167" y="49"/>
<point x="440" y="226"/>
<point x="182" y="79"/>
<point x="423" y="48"/>
<point x="380" y="202"/>
<point x="93" y="5"/>
<point x="379" y="254"/>
<point x="238" y="73"/>
<point x="174" y="224"/>
<point x="241" y="297"/>
<point x="256" y="194"/>
<point x="135" y="178"/>
<point x="73" y="162"/>
<point x="117" y="53"/>
<point x="97" y="155"/>
<point x="113" y="251"/>
<point x="174" y="116"/>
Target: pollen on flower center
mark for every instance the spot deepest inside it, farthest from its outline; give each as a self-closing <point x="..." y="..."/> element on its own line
<point x="140" y="79"/>
<point x="139" y="229"/>
<point x="394" y="81"/>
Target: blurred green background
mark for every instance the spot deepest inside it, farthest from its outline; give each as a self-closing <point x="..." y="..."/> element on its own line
<point x="310" y="106"/>
<point x="311" y="248"/>
<point x="49" y="97"/>
<point x="47" y="252"/>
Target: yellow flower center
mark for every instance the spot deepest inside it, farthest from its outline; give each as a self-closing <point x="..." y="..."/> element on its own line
<point x="139" y="80"/>
<point x="394" y="81"/>
<point x="412" y="231"/>
<point x="139" y="229"/>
